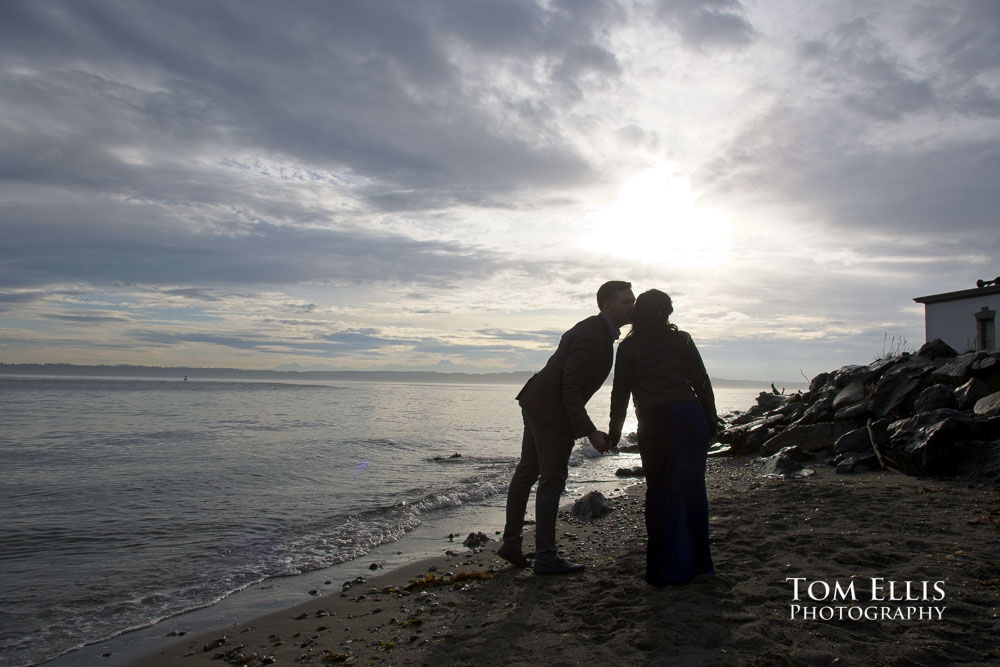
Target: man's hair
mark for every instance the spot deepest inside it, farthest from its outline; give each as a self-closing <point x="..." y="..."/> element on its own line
<point x="610" y="290"/>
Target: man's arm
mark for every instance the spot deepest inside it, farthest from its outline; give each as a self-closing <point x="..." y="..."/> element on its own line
<point x="585" y="351"/>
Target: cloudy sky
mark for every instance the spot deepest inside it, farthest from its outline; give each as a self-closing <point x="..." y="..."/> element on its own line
<point x="445" y="183"/>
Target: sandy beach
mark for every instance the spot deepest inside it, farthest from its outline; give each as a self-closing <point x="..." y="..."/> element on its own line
<point x="846" y="545"/>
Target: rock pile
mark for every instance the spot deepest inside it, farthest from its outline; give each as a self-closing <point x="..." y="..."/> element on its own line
<point x="933" y="413"/>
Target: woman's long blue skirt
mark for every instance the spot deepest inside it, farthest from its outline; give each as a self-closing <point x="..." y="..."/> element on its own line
<point x="673" y="442"/>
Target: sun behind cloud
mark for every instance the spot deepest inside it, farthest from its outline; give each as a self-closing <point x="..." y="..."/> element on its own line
<point x="656" y="219"/>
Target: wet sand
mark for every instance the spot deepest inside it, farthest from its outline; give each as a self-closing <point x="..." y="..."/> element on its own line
<point x="863" y="536"/>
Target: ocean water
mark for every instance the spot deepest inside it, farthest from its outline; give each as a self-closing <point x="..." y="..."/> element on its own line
<point x="124" y="502"/>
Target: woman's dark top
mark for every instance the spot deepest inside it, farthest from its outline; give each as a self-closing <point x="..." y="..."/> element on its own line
<point x="659" y="369"/>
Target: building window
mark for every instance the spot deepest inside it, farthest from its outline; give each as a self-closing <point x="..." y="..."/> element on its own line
<point x="986" y="329"/>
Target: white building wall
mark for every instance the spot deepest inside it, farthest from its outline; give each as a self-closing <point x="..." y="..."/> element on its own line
<point x="954" y="322"/>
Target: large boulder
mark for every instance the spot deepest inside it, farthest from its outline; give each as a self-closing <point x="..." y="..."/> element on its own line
<point x="820" y="410"/>
<point x="857" y="440"/>
<point x="933" y="443"/>
<point x="746" y="439"/>
<point x="969" y="393"/>
<point x="851" y="394"/>
<point x="809" y="437"/>
<point x="818" y="382"/>
<point x="851" y="374"/>
<point x="955" y="372"/>
<point x="894" y="393"/>
<point x="987" y="369"/>
<point x="935" y="349"/>
<point x="988" y="406"/>
<point x="935" y="397"/>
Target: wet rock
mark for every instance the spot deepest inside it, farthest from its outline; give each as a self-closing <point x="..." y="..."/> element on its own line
<point x="935" y="349"/>
<point x="788" y="460"/>
<point x="987" y="369"/>
<point x="818" y="382"/>
<point x="851" y="394"/>
<point x="768" y="400"/>
<point x="809" y="437"/>
<point x="896" y="389"/>
<point x="969" y="393"/>
<point x="988" y="406"/>
<point x="476" y="540"/>
<point x="931" y="443"/>
<point x="855" y="412"/>
<point x="935" y="397"/>
<point x="591" y="505"/>
<point x="746" y="439"/>
<point x="630" y="472"/>
<point x="857" y="440"/>
<point x="955" y="371"/>
<point x="848" y="375"/>
<point x="821" y="410"/>
<point x="855" y="462"/>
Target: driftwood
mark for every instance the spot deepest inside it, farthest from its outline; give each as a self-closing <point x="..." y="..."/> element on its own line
<point x="883" y="459"/>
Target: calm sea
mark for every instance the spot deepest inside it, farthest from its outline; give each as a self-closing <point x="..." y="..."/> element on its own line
<point x="128" y="501"/>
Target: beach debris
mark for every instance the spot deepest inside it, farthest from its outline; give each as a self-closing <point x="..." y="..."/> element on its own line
<point x="592" y="505"/>
<point x="476" y="540"/>
<point x="333" y="657"/>
<point x="348" y="585"/>
<point x="214" y="644"/>
<point x="432" y="579"/>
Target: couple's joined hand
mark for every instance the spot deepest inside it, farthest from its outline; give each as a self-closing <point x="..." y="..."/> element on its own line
<point x="600" y="441"/>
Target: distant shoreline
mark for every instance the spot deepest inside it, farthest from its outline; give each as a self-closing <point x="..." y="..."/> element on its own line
<point x="197" y="373"/>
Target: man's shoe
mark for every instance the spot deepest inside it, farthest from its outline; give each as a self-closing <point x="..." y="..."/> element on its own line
<point x="559" y="566"/>
<point x="512" y="555"/>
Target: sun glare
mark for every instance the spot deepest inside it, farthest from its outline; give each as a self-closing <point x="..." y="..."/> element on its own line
<point x="656" y="219"/>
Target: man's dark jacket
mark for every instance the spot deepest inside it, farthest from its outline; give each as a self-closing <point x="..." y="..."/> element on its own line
<point x="557" y="394"/>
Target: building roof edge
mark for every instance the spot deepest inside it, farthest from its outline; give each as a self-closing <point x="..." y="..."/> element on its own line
<point x="959" y="295"/>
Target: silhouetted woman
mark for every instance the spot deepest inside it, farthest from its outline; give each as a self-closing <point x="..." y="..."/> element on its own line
<point x="659" y="366"/>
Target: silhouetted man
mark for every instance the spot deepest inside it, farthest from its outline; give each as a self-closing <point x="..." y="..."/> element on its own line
<point x="553" y="408"/>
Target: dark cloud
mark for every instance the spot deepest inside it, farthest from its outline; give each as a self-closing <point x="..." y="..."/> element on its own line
<point x="120" y="244"/>
<point x="838" y="150"/>
<point x="856" y="65"/>
<point x="86" y="318"/>
<point x="11" y="300"/>
<point x="195" y="294"/>
<point x="370" y="88"/>
<point x="706" y="25"/>
<point x="942" y="189"/>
